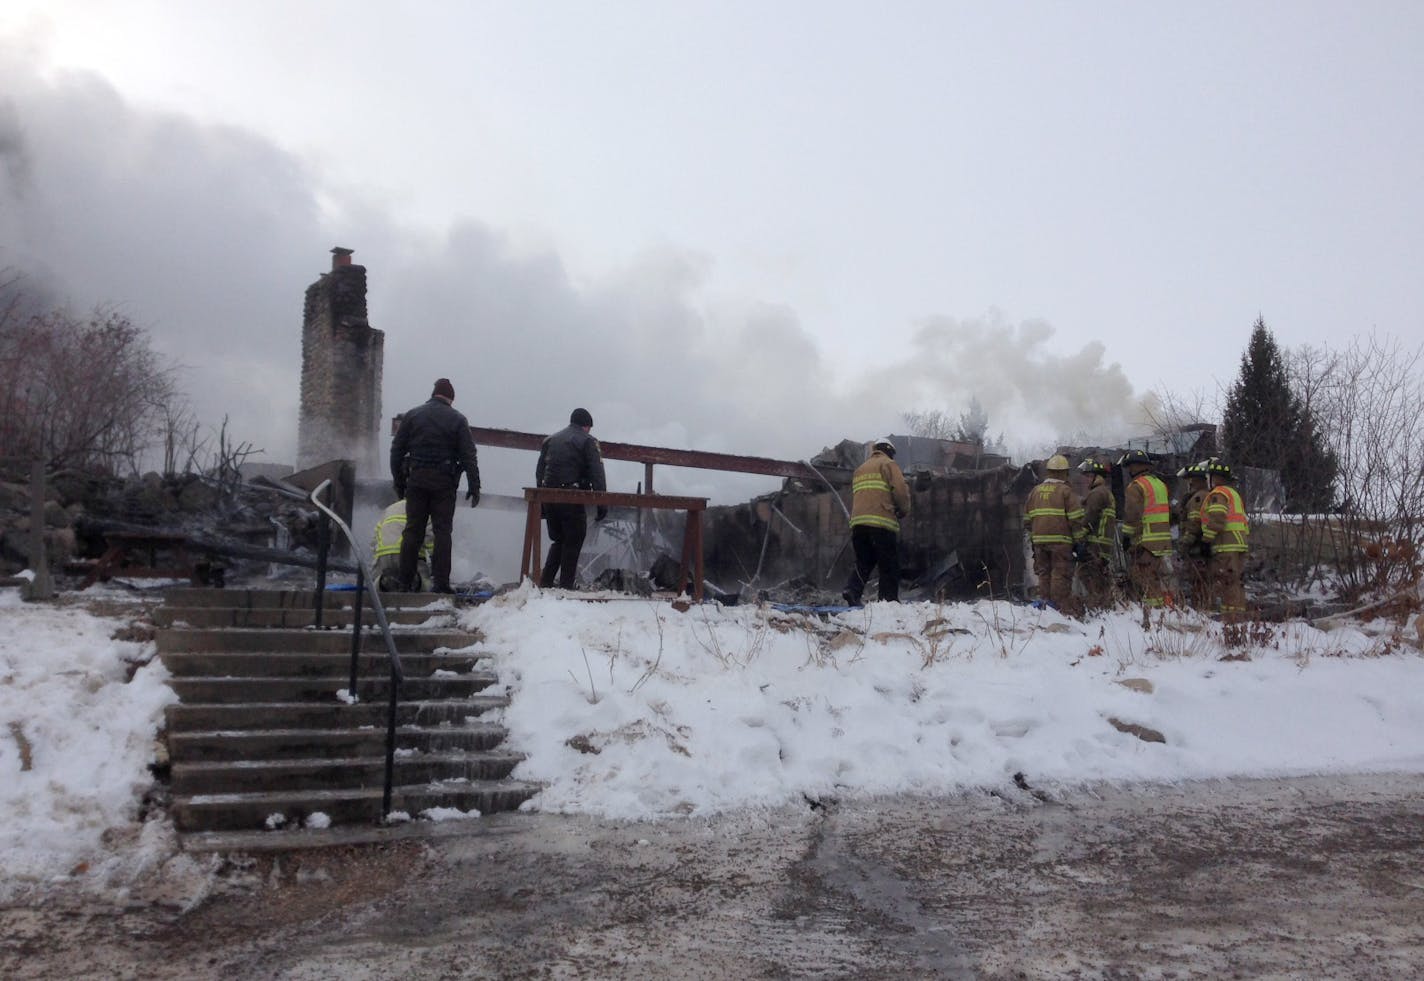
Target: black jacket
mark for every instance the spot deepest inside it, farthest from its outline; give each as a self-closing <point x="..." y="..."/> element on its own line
<point x="570" y="458"/>
<point x="434" y="436"/>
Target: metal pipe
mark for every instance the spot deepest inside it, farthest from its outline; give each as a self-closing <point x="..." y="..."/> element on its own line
<point x="696" y="459"/>
<point x="323" y="550"/>
<point x="356" y="628"/>
<point x="397" y="672"/>
<point x="390" y="739"/>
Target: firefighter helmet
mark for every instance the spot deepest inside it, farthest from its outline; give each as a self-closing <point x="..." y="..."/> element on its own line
<point x="1056" y="463"/>
<point x="1134" y="458"/>
<point x="1089" y="465"/>
<point x="1218" y="468"/>
<point x="1197" y="470"/>
<point x="884" y="445"/>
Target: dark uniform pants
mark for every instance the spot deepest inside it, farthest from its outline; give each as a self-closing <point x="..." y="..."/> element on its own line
<point x="568" y="524"/>
<point x="1145" y="571"/>
<point x="1196" y="582"/>
<point x="874" y="547"/>
<point x="429" y="494"/>
<point x="1096" y="577"/>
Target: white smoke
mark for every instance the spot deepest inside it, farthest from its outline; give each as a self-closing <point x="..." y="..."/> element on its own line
<point x="1036" y="398"/>
<point x="210" y="235"/>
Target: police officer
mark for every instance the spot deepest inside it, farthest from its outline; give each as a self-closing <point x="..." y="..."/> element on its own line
<point x="570" y="459"/>
<point x="431" y="447"/>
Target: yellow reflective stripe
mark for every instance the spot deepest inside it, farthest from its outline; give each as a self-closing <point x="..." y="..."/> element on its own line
<point x="1109" y="514"/>
<point x="1156" y="513"/>
<point x="1048" y="513"/>
<point x="1052" y="540"/>
<point x="875" y="521"/>
<point x="1077" y="513"/>
<point x="869" y="483"/>
<point x="383" y="549"/>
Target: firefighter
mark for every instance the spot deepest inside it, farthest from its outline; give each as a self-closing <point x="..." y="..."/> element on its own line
<point x="1191" y="549"/>
<point x="1100" y="519"/>
<point x="569" y="459"/>
<point x="432" y="446"/>
<point x="1226" y="533"/>
<point x="1146" y="529"/>
<point x="879" y="500"/>
<point x="1054" y="518"/>
<point x="386" y="546"/>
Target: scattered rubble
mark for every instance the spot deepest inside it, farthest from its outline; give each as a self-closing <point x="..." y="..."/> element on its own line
<point x="227" y="522"/>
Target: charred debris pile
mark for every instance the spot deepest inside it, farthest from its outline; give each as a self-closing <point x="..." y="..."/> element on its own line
<point x="231" y="526"/>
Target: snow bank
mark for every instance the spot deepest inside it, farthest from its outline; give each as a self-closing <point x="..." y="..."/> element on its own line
<point x="75" y="743"/>
<point x="630" y="709"/>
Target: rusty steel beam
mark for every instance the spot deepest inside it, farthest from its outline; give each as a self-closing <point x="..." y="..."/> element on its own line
<point x="695" y="459"/>
<point x="614" y="499"/>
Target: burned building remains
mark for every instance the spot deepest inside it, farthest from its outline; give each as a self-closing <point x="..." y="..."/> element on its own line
<point x="342" y="358"/>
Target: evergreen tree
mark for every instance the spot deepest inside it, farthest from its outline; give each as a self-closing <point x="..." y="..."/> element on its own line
<point x="1266" y="425"/>
<point x="973" y="423"/>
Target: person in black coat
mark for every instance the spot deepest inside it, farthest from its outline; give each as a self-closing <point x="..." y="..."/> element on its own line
<point x="431" y="447"/>
<point x="570" y="459"/>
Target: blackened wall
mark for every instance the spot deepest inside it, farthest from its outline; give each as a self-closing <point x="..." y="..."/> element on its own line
<point x="964" y="536"/>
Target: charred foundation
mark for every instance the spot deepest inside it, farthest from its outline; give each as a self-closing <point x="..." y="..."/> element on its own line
<point x="962" y="540"/>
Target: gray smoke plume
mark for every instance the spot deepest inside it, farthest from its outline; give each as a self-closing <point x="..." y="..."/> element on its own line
<point x="209" y="236"/>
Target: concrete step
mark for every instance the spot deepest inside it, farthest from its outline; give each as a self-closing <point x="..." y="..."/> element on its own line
<point x="258" y="665"/>
<point x="341" y="836"/>
<point x="251" y="776"/>
<point x="237" y="812"/>
<point x="220" y="616"/>
<point x="299" y="599"/>
<point x="209" y="717"/>
<point x="292" y="744"/>
<point x="414" y="641"/>
<point x="370" y="688"/>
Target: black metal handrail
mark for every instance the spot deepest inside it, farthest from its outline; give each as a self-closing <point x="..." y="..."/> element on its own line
<point x="363" y="583"/>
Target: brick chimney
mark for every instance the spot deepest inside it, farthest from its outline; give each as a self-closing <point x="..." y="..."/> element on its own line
<point x="341" y="371"/>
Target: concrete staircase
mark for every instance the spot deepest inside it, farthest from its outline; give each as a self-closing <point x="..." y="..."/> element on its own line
<point x="262" y="727"/>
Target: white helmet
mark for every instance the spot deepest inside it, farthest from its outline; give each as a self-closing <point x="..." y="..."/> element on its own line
<point x="884" y="445"/>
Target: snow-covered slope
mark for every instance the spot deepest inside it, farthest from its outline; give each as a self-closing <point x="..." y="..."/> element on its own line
<point x="632" y="709"/>
<point x="76" y="740"/>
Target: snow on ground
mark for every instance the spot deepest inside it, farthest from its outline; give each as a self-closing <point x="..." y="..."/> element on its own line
<point x="631" y="709"/>
<point x="635" y="709"/>
<point x="76" y="739"/>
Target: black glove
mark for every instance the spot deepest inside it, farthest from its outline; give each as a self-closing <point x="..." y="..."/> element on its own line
<point x="473" y="496"/>
<point x="1080" y="551"/>
<point x="400" y="489"/>
<point x="1126" y="541"/>
<point x="601" y="513"/>
<point x="1204" y="548"/>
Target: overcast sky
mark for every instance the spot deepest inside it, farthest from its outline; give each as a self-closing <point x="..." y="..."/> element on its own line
<point x="753" y="227"/>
